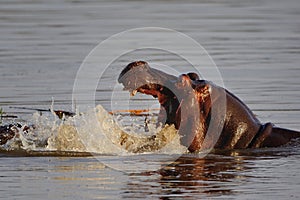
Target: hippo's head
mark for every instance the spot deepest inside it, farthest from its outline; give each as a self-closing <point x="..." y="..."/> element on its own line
<point x="139" y="77"/>
<point x="179" y="98"/>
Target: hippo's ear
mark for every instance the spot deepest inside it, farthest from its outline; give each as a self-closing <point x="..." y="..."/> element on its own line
<point x="193" y="76"/>
<point x="184" y="80"/>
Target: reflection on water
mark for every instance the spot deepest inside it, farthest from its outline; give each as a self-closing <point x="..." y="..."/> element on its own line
<point x="202" y="175"/>
<point x="228" y="174"/>
<point x="223" y="174"/>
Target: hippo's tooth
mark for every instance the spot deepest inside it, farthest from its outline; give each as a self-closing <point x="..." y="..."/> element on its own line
<point x="133" y="92"/>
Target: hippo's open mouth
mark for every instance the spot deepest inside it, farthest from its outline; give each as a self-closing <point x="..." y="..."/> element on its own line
<point x="139" y="77"/>
<point x="151" y="89"/>
<point x="156" y="90"/>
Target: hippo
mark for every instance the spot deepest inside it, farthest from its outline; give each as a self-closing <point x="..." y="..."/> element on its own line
<point x="195" y="106"/>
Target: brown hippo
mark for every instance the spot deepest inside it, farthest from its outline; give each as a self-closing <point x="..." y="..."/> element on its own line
<point x="188" y="102"/>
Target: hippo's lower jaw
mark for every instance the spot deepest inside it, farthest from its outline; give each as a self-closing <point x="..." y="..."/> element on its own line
<point x="186" y="102"/>
<point x="170" y="106"/>
<point x="151" y="89"/>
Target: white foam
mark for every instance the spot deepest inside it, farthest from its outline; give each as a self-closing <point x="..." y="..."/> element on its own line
<point x="95" y="131"/>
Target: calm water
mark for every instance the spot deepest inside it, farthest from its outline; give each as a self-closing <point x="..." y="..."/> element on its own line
<point x="256" y="46"/>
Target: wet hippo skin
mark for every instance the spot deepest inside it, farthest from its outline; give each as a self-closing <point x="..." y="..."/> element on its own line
<point x="195" y="106"/>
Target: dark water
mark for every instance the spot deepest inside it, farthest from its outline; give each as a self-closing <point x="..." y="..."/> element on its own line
<point x="255" y="44"/>
<point x="259" y="174"/>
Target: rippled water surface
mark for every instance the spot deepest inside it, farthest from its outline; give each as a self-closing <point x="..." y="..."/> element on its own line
<point x="255" y="44"/>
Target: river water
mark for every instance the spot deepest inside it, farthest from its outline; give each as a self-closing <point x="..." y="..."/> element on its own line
<point x="254" y="44"/>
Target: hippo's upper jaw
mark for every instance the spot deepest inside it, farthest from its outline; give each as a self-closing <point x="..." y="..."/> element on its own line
<point x="139" y="77"/>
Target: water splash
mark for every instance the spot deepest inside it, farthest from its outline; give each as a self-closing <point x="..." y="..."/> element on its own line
<point x="95" y="131"/>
